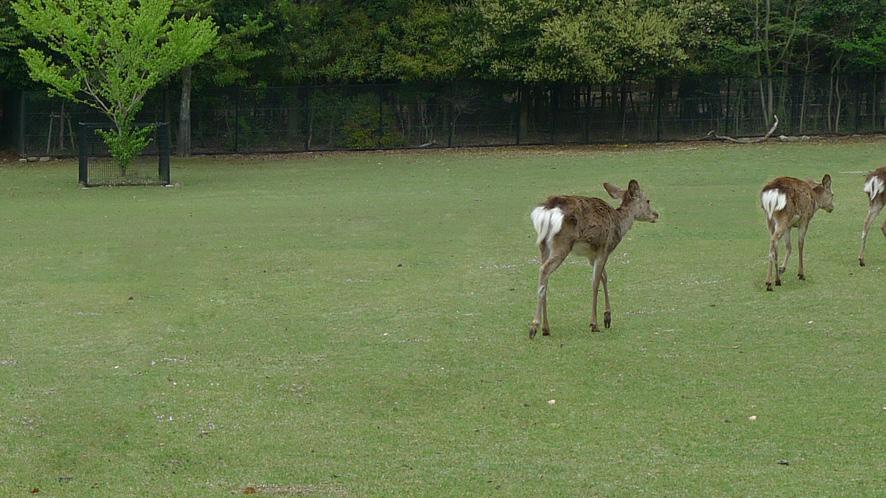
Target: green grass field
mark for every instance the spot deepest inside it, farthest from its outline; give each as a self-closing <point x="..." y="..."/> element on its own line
<point x="357" y="325"/>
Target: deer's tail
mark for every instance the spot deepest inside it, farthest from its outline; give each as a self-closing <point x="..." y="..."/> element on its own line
<point x="547" y="223"/>
<point x="773" y="200"/>
<point x="873" y="187"/>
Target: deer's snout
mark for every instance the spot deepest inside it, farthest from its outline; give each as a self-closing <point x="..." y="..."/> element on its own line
<point x="654" y="217"/>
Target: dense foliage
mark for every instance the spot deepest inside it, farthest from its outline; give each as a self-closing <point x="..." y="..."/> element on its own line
<point x="271" y="42"/>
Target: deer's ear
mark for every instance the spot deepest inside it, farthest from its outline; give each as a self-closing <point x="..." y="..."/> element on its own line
<point x="613" y="191"/>
<point x="633" y="188"/>
<point x="826" y="181"/>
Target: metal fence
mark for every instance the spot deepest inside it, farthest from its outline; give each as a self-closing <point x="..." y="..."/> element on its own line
<point x="354" y="117"/>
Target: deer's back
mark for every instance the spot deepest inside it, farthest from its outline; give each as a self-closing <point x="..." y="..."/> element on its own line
<point x="875" y="184"/>
<point x="589" y="219"/>
<point x="799" y="196"/>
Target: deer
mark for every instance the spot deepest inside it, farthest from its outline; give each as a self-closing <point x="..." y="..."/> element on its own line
<point x="791" y="203"/>
<point x="874" y="185"/>
<point x="588" y="227"/>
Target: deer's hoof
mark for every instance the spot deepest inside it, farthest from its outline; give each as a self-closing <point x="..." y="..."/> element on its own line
<point x="801" y="276"/>
<point x="594" y="328"/>
<point x="607" y="319"/>
<point x="860" y="261"/>
<point x="545" y="331"/>
<point x="769" y="286"/>
<point x="778" y="283"/>
<point x="532" y="331"/>
<point x="781" y="270"/>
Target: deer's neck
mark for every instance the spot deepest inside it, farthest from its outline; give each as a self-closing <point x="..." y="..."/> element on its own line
<point x="625" y="220"/>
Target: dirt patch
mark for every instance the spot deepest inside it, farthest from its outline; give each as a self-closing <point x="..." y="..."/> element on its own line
<point x="524" y="150"/>
<point x="294" y="490"/>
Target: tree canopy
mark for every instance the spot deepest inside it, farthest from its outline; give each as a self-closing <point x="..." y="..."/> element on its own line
<point x="109" y="54"/>
<point x="273" y="42"/>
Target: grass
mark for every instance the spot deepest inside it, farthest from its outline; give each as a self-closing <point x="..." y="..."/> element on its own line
<point x="356" y="325"/>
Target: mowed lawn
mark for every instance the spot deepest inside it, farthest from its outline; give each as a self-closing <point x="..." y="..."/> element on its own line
<point x="357" y="325"/>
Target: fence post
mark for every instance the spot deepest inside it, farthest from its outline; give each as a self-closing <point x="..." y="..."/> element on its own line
<point x="554" y="103"/>
<point x="381" y="115"/>
<point x="857" y="101"/>
<point x="21" y="125"/>
<point x="307" y="118"/>
<point x="237" y="120"/>
<point x="588" y="104"/>
<point x="659" y="87"/>
<point x="451" y="122"/>
<point x="163" y="152"/>
<point x="521" y="94"/>
<point x="876" y="112"/>
<point x="83" y="169"/>
<point x="728" y="95"/>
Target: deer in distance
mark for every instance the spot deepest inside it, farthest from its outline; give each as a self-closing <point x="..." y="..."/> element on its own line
<point x="588" y="227"/>
<point x="791" y="203"/>
<point x="874" y="185"/>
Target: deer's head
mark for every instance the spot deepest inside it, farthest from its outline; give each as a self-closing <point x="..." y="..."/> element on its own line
<point x="634" y="200"/>
<point x="824" y="196"/>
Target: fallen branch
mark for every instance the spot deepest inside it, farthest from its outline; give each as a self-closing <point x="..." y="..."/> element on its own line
<point x="713" y="136"/>
<point x="801" y="138"/>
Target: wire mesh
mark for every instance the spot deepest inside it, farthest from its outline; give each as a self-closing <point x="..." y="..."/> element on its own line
<point x="478" y="113"/>
<point x="98" y="167"/>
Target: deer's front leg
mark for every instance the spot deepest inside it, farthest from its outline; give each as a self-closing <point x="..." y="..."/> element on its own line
<point x="598" y="275"/>
<point x="801" y="241"/>
<point x="873" y="211"/>
<point x="607" y="314"/>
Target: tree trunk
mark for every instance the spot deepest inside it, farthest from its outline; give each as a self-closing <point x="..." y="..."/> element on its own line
<point x="805" y="91"/>
<point x="524" y="114"/>
<point x="183" y="147"/>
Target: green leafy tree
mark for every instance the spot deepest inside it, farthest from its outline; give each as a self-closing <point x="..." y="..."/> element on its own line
<point x="11" y="37"/>
<point x="535" y="41"/>
<point x="419" y="44"/>
<point x="108" y="54"/>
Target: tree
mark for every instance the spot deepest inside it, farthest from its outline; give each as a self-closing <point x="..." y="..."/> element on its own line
<point x="241" y="23"/>
<point x="108" y="53"/>
<point x="419" y="44"/>
<point x="11" y="68"/>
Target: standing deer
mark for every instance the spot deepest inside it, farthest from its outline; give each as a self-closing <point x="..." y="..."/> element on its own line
<point x="588" y="227"/>
<point x="788" y="203"/>
<point x="873" y="186"/>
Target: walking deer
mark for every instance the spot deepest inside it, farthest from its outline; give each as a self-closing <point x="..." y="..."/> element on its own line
<point x="589" y="227"/>
<point x="873" y="186"/>
<point x="791" y="203"/>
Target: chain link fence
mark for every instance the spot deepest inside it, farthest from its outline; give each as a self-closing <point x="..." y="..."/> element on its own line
<point x="359" y="117"/>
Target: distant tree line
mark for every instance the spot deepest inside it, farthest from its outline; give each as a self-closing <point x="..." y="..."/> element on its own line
<point x="530" y="42"/>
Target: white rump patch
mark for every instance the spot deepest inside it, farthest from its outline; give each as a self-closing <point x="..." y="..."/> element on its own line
<point x="873" y="187"/>
<point x="547" y="223"/>
<point x="772" y="201"/>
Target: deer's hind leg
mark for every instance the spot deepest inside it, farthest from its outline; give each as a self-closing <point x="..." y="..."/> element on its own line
<point x="787" y="251"/>
<point x="555" y="257"/>
<point x="873" y="211"/>
<point x="777" y="230"/>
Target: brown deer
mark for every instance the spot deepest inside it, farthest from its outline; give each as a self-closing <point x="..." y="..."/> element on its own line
<point x="874" y="185"/>
<point x="588" y="227"/>
<point x="791" y="203"/>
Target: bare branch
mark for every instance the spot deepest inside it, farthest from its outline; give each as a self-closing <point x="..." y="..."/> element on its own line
<point x="713" y="136"/>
